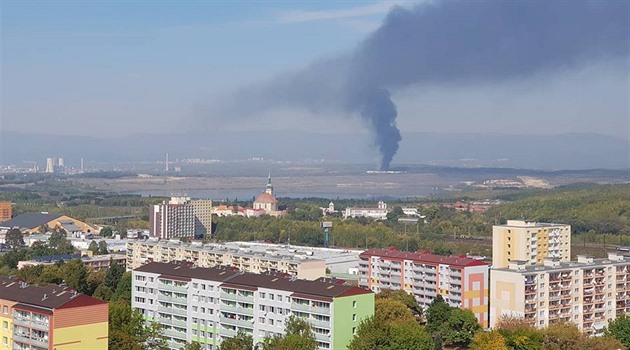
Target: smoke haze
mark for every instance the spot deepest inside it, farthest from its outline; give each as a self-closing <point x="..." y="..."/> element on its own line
<point x="449" y="42"/>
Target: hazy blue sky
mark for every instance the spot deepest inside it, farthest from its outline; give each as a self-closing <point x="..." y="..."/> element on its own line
<point x="123" y="67"/>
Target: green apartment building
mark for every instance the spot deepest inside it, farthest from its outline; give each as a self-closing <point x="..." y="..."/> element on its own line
<point x="208" y="305"/>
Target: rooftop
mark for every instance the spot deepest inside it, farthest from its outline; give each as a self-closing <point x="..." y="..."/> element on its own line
<point x="523" y="223"/>
<point x="423" y="257"/>
<point x="269" y="251"/>
<point x="322" y="288"/>
<point x="30" y="220"/>
<point x="47" y="297"/>
<point x="583" y="262"/>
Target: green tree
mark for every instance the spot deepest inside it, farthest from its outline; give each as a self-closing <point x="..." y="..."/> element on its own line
<point x="400" y="295"/>
<point x="461" y="327"/>
<point x="488" y="341"/>
<point x="106" y="232"/>
<point x="59" y="242"/>
<point x="14" y="238"/>
<point x="563" y="336"/>
<point x="409" y="336"/>
<point x="154" y="339"/>
<point x="114" y="274"/>
<point x="93" y="247"/>
<point x="31" y="274"/>
<point x="126" y="327"/>
<point x="195" y="346"/>
<point x="123" y="289"/>
<point x="392" y="327"/>
<point x="519" y="335"/>
<point x="242" y="341"/>
<point x="103" y="292"/>
<point x="437" y="315"/>
<point x="95" y="279"/>
<point x="619" y="329"/>
<point x="75" y="275"/>
<point x="52" y="274"/>
<point x="102" y="248"/>
<point x="298" y="335"/>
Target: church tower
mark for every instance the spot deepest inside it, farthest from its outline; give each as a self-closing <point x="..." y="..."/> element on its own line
<point x="269" y="187"/>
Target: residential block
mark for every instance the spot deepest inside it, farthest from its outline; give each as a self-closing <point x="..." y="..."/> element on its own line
<point x="208" y="305"/>
<point x="50" y="317"/>
<point x="462" y="281"/>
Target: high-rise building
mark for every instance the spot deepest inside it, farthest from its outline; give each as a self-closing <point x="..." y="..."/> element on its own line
<point x="588" y="292"/>
<point x="208" y="305"/>
<point x="462" y="281"/>
<point x="174" y="219"/>
<point x="6" y="211"/>
<point x="202" y="209"/>
<point x="50" y="317"/>
<point x="531" y="242"/>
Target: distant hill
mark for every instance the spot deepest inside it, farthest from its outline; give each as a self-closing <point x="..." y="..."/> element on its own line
<point x="565" y="151"/>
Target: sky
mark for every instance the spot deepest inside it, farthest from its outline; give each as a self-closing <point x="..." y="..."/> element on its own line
<point x="116" y="68"/>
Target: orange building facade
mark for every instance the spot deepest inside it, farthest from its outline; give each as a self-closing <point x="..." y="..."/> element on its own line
<point x="50" y="318"/>
<point x="6" y="211"/>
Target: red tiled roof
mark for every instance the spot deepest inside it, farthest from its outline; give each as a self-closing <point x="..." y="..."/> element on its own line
<point x="266" y="198"/>
<point x="423" y="257"/>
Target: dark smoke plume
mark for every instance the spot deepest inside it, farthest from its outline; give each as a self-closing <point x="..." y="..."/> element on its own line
<point x="448" y="42"/>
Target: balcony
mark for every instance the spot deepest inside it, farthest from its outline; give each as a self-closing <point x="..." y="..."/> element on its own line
<point x="173" y="288"/>
<point x="237" y="309"/>
<point x="172" y="299"/>
<point x="225" y="332"/>
<point x="21" y="321"/>
<point x="322" y="337"/>
<point x="319" y="323"/>
<point x="172" y="310"/>
<point x="237" y="297"/>
<point x="237" y="322"/>
<point x="173" y="333"/>
<point x="41" y="325"/>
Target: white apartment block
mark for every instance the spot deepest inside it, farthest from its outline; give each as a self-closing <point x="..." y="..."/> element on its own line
<point x="531" y="242"/>
<point x="209" y="255"/>
<point x="378" y="213"/>
<point x="207" y="305"/>
<point x="588" y="292"/>
<point x="181" y="217"/>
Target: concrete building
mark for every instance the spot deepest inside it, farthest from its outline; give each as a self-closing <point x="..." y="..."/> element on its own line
<point x="180" y="217"/>
<point x="209" y="255"/>
<point x="6" y="211"/>
<point x="462" y="281"/>
<point x="208" y="305"/>
<point x="588" y="292"/>
<point x="202" y="209"/>
<point x="50" y="317"/>
<point x="96" y="262"/>
<point x="531" y="242"/>
<point x="378" y="213"/>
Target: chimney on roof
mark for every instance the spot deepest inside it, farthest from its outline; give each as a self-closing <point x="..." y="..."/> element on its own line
<point x="44" y="297"/>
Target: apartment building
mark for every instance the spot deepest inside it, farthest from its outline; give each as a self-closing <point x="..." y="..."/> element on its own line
<point x="531" y="242"/>
<point x="462" y="281"/>
<point x="96" y="262"/>
<point x="181" y="217"/>
<point x="207" y="305"/>
<point x="50" y="317"/>
<point x="588" y="292"/>
<point x="209" y="255"/>
<point x="6" y="211"/>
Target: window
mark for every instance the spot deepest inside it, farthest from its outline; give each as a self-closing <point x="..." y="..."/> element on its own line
<point x="262" y="295"/>
<point x="270" y="296"/>
<point x="354" y="317"/>
<point x="5" y="309"/>
<point x="203" y="287"/>
<point x="271" y="321"/>
<point x="5" y="325"/>
<point x="279" y="297"/>
<point x="5" y="341"/>
<point x="151" y="279"/>
<point x="195" y="285"/>
<point x="354" y="304"/>
<point x="261" y="320"/>
<point x="354" y="330"/>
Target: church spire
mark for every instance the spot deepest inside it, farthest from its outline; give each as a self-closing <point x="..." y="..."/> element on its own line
<point x="269" y="187"/>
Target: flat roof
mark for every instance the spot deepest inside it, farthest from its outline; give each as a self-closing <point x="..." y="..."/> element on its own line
<point x="232" y="278"/>
<point x="423" y="257"/>
<point x="568" y="265"/>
